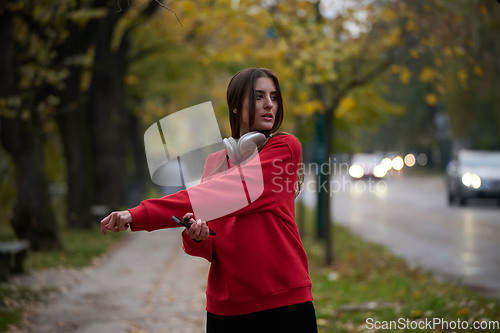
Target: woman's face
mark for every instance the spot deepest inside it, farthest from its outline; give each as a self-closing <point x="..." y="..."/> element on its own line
<point x="266" y="106"/>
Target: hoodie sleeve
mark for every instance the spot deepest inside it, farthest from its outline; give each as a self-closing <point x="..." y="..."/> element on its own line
<point x="202" y="249"/>
<point x="257" y="185"/>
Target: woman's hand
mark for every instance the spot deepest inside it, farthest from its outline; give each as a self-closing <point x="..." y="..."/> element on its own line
<point x="199" y="230"/>
<point x="116" y="221"/>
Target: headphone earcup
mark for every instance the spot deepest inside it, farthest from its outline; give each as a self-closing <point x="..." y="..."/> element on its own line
<point x="245" y="147"/>
<point x="231" y="146"/>
<point x="249" y="143"/>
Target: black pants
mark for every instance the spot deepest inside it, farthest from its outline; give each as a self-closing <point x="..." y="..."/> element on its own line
<point x="299" y="318"/>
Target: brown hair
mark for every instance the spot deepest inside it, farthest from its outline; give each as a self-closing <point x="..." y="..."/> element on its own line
<point x="243" y="83"/>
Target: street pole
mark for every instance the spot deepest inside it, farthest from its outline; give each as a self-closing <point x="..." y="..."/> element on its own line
<point x="320" y="152"/>
<point x="324" y="138"/>
<point x="324" y="125"/>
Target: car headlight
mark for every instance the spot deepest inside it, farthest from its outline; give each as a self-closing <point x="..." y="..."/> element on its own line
<point x="386" y="163"/>
<point x="470" y="179"/>
<point x="380" y="171"/>
<point x="356" y="171"/>
<point x="398" y="163"/>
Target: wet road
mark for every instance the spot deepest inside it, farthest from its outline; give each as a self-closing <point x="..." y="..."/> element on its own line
<point x="411" y="217"/>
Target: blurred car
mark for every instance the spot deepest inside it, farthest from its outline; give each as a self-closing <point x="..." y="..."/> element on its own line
<point x="367" y="166"/>
<point x="473" y="174"/>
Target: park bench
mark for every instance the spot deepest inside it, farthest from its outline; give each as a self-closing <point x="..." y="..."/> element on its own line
<point x="12" y="255"/>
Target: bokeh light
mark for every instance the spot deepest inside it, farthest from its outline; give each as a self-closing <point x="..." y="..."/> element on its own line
<point x="356" y="171"/>
<point x="398" y="163"/>
<point x="410" y="160"/>
<point x="380" y="171"/>
<point x="422" y="159"/>
<point x="386" y="163"/>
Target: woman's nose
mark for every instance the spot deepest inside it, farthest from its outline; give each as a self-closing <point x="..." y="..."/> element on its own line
<point x="268" y="102"/>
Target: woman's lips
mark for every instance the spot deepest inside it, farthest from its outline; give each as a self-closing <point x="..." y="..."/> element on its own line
<point x="268" y="116"/>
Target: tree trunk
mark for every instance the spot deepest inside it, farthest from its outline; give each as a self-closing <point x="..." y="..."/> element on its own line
<point x="71" y="120"/>
<point x="325" y="194"/>
<point x="114" y="133"/>
<point x="108" y="119"/>
<point x="72" y="126"/>
<point x="139" y="171"/>
<point x="33" y="217"/>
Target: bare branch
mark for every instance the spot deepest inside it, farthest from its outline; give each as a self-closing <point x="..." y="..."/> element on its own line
<point x="161" y="4"/>
<point x="158" y="2"/>
<point x="360" y="81"/>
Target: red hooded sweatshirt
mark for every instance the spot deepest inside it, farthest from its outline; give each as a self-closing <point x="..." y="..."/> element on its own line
<point x="257" y="258"/>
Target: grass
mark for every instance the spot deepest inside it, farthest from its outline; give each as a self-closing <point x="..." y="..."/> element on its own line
<point x="365" y="274"/>
<point x="81" y="248"/>
<point x="14" y="299"/>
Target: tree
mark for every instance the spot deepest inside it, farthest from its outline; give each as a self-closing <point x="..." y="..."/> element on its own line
<point x="334" y="62"/>
<point x="21" y="127"/>
<point x="93" y="127"/>
<point x="46" y="65"/>
<point x="338" y="53"/>
<point x="451" y="72"/>
<point x="469" y="76"/>
<point x="79" y="25"/>
<point x="316" y="59"/>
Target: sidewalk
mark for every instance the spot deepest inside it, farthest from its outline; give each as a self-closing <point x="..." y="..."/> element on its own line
<point x="147" y="285"/>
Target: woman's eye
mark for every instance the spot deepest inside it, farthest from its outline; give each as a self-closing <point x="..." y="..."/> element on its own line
<point x="261" y="96"/>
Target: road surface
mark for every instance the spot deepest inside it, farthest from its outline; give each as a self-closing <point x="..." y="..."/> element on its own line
<point x="410" y="216"/>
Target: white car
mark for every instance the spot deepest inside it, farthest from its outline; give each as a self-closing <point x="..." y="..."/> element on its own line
<point x="473" y="174"/>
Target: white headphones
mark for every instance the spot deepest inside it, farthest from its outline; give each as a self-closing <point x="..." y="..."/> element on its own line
<point x="243" y="148"/>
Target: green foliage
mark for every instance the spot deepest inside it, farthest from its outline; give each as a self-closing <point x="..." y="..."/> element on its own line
<point x="194" y="63"/>
<point x="82" y="16"/>
<point x="446" y="64"/>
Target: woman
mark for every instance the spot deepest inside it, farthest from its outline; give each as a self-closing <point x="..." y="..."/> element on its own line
<point x="258" y="279"/>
